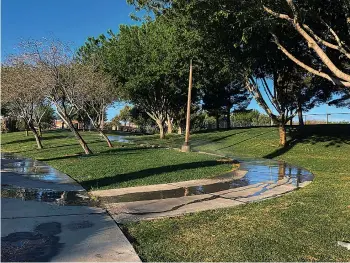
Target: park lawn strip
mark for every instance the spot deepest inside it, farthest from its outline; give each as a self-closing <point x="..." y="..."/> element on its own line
<point x="304" y="225"/>
<point x="124" y="165"/>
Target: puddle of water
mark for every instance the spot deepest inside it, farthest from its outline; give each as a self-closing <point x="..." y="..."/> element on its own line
<point x="64" y="198"/>
<point x="117" y="138"/>
<point x="174" y="193"/>
<point x="33" y="169"/>
<point x="258" y="172"/>
<point x="37" y="170"/>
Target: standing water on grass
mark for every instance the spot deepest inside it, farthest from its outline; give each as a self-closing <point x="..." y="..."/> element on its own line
<point x="117" y="138"/>
<point x="257" y="172"/>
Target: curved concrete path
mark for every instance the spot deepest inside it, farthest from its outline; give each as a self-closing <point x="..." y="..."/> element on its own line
<point x="255" y="180"/>
<point x="47" y="216"/>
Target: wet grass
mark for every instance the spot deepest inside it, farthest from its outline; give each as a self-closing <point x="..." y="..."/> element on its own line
<point x="302" y="226"/>
<point x="122" y="166"/>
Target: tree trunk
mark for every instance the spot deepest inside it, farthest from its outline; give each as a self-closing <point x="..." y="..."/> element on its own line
<point x="102" y="124"/>
<point x="80" y="139"/>
<point x="228" y="119"/>
<point x="179" y="130"/>
<point x="36" y="135"/>
<point x="40" y="131"/>
<point x="300" y="114"/>
<point x="282" y="132"/>
<point x="170" y="125"/>
<point x="106" y="138"/>
<point x="217" y="122"/>
<point x="161" y="129"/>
<point x="82" y="143"/>
<point x="26" y="127"/>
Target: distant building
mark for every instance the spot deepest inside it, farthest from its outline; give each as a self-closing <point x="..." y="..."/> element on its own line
<point x="129" y="127"/>
<point x="59" y="124"/>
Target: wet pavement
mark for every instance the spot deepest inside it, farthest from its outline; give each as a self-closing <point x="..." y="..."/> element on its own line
<point x="255" y="180"/>
<point x="47" y="216"/>
<point x="26" y="173"/>
<point x="66" y="198"/>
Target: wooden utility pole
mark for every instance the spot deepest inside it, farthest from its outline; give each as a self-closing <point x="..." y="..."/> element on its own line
<point x="186" y="145"/>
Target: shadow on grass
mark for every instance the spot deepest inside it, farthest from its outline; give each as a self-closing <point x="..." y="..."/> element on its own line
<point x="248" y="139"/>
<point x="57" y="146"/>
<point x="227" y="136"/>
<point x="32" y="139"/>
<point x="334" y="135"/>
<point x="231" y="129"/>
<point x="121" y="178"/>
<point x="109" y="151"/>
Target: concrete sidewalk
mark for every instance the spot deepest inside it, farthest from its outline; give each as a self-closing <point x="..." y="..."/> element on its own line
<point x="34" y="230"/>
<point x="254" y="180"/>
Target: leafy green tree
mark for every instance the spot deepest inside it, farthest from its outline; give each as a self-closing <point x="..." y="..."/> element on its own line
<point x="343" y="100"/>
<point x="151" y="61"/>
<point x="141" y="119"/>
<point x="220" y="99"/>
<point x="247" y="118"/>
<point x="239" y="33"/>
<point x="125" y="115"/>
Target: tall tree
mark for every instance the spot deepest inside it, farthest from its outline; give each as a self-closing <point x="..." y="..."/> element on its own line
<point x="141" y="119"/>
<point x="238" y="31"/>
<point x="220" y="99"/>
<point x="21" y="93"/>
<point x="96" y="92"/>
<point x="152" y="62"/>
<point x="323" y="26"/>
<point x="125" y="115"/>
<point x="54" y="61"/>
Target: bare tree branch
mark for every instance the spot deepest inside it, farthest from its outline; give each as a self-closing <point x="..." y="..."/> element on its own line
<point x="336" y="81"/>
<point x="312" y="44"/>
<point x="338" y="47"/>
<point x="278" y="15"/>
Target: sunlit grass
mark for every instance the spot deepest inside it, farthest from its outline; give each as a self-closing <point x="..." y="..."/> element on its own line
<point x="302" y="226"/>
<point x="122" y="166"/>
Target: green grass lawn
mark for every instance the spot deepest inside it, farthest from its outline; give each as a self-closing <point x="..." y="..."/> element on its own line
<point x="302" y="226"/>
<point x="123" y="166"/>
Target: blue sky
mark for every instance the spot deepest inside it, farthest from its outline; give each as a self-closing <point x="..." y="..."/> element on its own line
<point x="73" y="21"/>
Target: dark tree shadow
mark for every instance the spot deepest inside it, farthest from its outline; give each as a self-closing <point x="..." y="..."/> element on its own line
<point x="106" y="152"/>
<point x="120" y="178"/>
<point x="31" y="138"/>
<point x="227" y="136"/>
<point x="231" y="129"/>
<point x="333" y="135"/>
<point x="57" y="146"/>
<point x="248" y="139"/>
